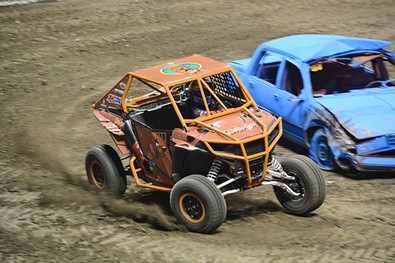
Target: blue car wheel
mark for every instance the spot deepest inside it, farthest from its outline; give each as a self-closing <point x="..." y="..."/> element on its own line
<point x="320" y="151"/>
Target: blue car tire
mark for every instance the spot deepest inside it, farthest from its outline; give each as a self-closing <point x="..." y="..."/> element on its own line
<point x="320" y="151"/>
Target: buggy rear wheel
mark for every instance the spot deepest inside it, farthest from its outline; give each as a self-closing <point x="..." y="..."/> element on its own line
<point x="308" y="182"/>
<point x="198" y="204"/>
<point x="105" y="170"/>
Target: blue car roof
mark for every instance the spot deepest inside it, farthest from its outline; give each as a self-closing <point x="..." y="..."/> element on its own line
<point x="312" y="47"/>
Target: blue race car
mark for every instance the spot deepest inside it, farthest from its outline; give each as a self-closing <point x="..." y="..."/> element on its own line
<point x="336" y="95"/>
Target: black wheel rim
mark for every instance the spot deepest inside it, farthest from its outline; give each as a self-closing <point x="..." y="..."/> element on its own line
<point x="97" y="174"/>
<point x="192" y="208"/>
<point x="324" y="153"/>
<point x="297" y="186"/>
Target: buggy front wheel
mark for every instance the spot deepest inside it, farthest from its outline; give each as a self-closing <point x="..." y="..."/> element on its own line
<point x="308" y="182"/>
<point x="198" y="204"/>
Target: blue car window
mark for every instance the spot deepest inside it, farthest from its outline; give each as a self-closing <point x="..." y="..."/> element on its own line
<point x="343" y="74"/>
<point x="323" y="76"/>
<point x="293" y="79"/>
<point x="268" y="67"/>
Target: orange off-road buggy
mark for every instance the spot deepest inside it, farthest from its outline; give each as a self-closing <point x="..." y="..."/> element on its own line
<point x="199" y="135"/>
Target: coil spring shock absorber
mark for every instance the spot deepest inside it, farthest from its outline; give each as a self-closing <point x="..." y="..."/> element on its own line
<point x="214" y="170"/>
<point x="276" y="170"/>
<point x="275" y="165"/>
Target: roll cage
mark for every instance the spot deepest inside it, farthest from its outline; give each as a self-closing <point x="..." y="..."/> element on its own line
<point x="222" y="87"/>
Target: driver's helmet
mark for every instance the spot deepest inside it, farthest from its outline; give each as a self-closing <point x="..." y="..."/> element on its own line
<point x="196" y="95"/>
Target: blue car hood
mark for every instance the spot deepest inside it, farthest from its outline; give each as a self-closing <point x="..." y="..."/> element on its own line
<point x="240" y="65"/>
<point x="365" y="115"/>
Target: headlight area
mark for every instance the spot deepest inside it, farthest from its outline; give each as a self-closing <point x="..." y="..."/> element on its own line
<point x="384" y="145"/>
<point x="237" y="166"/>
<point x="234" y="171"/>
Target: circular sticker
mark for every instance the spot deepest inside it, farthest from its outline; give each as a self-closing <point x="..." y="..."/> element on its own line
<point x="173" y="69"/>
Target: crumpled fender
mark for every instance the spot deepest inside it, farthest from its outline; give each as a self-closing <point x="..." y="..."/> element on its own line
<point x="341" y="144"/>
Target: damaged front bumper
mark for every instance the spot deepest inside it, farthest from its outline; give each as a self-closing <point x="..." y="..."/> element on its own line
<point x="375" y="155"/>
<point x="374" y="163"/>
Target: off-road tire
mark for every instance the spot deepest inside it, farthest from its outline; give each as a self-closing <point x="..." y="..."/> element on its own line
<point x="198" y="204"/>
<point x="105" y="170"/>
<point x="320" y="178"/>
<point x="309" y="183"/>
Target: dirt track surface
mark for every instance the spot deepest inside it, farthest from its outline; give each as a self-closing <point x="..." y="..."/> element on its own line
<point x="56" y="58"/>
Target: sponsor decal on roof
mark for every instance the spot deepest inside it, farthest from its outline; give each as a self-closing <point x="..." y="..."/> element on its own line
<point x="182" y="68"/>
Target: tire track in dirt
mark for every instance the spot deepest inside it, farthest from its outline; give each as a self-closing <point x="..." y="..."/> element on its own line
<point x="70" y="124"/>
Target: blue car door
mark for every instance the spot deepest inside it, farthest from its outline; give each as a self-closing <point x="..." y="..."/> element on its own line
<point x="281" y="94"/>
